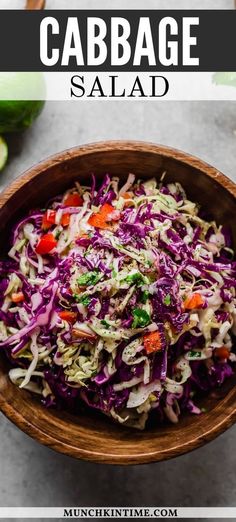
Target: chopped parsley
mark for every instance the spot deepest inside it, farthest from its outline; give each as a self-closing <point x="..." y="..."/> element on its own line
<point x="141" y="318"/>
<point x="144" y="296"/>
<point x="105" y="323"/>
<point x="135" y="278"/>
<point x="194" y="355"/>
<point x="83" y="299"/>
<point x="90" y="278"/>
<point x="167" y="300"/>
<point x="77" y="298"/>
<point x="57" y="235"/>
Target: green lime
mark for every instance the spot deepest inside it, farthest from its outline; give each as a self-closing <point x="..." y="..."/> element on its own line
<point x="22" y="97"/>
<point x="225" y="78"/>
<point x="18" y="115"/>
<point x="3" y="153"/>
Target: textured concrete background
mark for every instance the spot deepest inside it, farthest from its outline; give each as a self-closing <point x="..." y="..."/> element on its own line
<point x="31" y="475"/>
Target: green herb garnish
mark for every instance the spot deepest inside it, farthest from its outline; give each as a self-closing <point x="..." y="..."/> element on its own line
<point x="136" y="278"/>
<point x="167" y="300"/>
<point x="57" y="235"/>
<point x="76" y="297"/>
<point x="194" y="355"/>
<point x="141" y="318"/>
<point x="144" y="297"/>
<point x="83" y="299"/>
<point x="90" y="278"/>
<point x="105" y="323"/>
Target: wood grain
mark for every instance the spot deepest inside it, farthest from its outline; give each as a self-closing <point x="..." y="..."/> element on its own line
<point x="35" y="4"/>
<point x="91" y="436"/>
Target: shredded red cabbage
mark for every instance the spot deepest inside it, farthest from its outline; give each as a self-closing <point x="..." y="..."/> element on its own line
<point x="121" y="299"/>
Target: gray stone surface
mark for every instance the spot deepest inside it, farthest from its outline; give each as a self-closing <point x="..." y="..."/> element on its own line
<point x="32" y="475"/>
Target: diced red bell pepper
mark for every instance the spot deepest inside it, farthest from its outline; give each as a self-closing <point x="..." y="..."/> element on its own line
<point x="222" y="353"/>
<point x="152" y="342"/>
<point x="46" y="244"/>
<point x="65" y="219"/>
<point x="73" y="200"/>
<point x="48" y="219"/>
<point x="17" y="297"/>
<point x="193" y="302"/>
<point x="106" y="209"/>
<point x="128" y="197"/>
<point x="68" y="316"/>
<point x="99" y="220"/>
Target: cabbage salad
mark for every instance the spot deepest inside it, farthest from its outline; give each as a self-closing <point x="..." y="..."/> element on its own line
<point x="120" y="299"/>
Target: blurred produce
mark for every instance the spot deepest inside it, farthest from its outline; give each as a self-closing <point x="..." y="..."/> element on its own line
<point x="3" y="152"/>
<point x="225" y="78"/>
<point x="19" y="114"/>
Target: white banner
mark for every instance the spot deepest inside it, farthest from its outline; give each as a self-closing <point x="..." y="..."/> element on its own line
<point x="117" y="512"/>
<point x="81" y="86"/>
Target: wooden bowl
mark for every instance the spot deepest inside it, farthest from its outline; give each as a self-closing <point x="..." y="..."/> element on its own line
<point x="91" y="436"/>
<point x="35" y="4"/>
